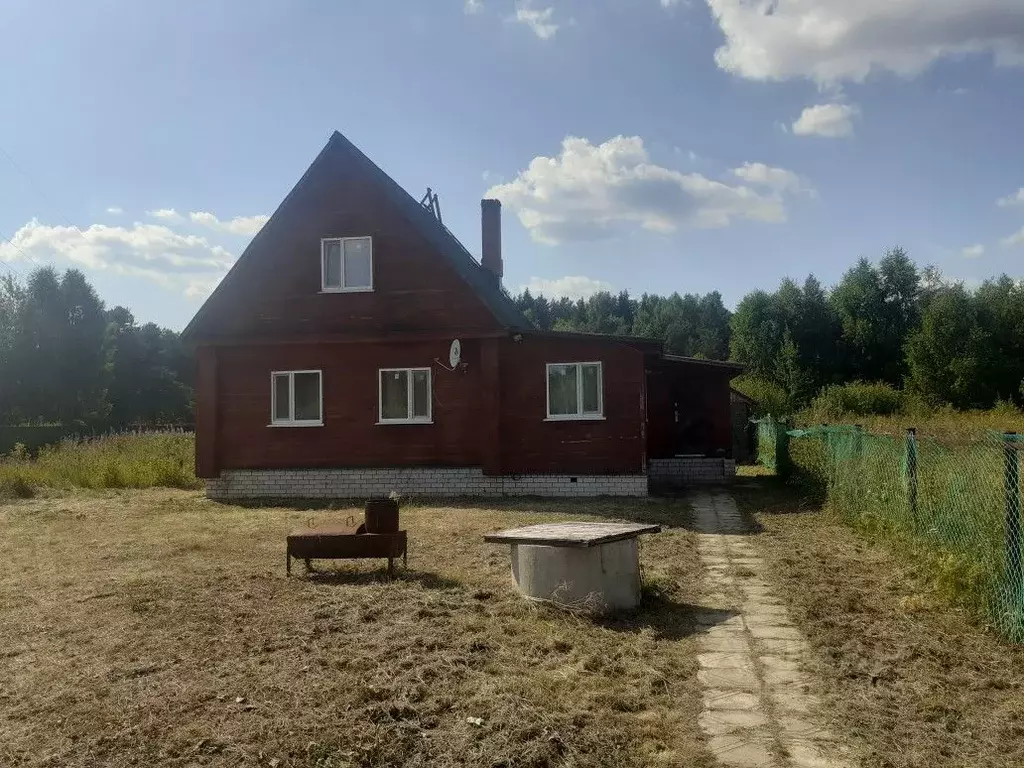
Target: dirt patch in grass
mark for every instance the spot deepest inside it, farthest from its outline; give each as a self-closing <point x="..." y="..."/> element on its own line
<point x="907" y="678"/>
<point x="157" y="627"/>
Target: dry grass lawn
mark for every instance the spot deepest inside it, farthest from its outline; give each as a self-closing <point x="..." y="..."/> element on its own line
<point x="157" y="628"/>
<point x="908" y="679"/>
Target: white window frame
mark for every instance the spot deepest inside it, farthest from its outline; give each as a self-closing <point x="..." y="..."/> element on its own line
<point x="429" y="419"/>
<point x="291" y="422"/>
<point x="580" y="415"/>
<point x="324" y="288"/>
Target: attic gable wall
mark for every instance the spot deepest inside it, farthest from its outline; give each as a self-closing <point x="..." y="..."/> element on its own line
<point x="274" y="290"/>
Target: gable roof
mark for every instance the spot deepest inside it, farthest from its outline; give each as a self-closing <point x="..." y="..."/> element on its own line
<point x="486" y="286"/>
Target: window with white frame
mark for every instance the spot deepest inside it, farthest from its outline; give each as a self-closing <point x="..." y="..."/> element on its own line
<point x="296" y="399"/>
<point x="405" y="396"/>
<point x="575" y="391"/>
<point x="346" y="264"/>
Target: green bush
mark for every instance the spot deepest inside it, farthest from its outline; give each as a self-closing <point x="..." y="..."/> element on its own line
<point x="858" y="398"/>
<point x="136" y="460"/>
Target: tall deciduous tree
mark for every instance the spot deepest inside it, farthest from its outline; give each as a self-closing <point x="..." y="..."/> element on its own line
<point x="949" y="354"/>
<point x="64" y="359"/>
<point x="81" y="364"/>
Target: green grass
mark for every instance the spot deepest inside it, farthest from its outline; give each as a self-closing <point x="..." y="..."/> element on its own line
<point x="945" y="425"/>
<point x="138" y="460"/>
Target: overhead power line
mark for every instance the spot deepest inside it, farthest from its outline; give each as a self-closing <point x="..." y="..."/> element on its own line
<point x="8" y="265"/>
<point x="17" y="166"/>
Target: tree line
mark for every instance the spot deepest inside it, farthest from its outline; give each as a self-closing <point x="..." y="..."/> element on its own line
<point x="890" y="322"/>
<point x="67" y="359"/>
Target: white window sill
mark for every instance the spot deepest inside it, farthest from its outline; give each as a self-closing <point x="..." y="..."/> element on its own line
<point x="358" y="289"/>
<point x="575" y="418"/>
<point x="404" y="422"/>
<point x="297" y="424"/>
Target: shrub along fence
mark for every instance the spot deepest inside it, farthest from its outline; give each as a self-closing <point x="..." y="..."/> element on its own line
<point x="956" y="506"/>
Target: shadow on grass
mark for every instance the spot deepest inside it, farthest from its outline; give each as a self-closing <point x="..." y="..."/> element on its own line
<point x="669" y="619"/>
<point x="669" y="507"/>
<point x="774" y="496"/>
<point x="670" y="510"/>
<point x="345" y="577"/>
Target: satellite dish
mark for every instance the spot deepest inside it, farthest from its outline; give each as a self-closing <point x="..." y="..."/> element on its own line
<point x="455" y="353"/>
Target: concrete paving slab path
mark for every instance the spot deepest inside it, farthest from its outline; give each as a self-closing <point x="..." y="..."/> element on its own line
<point x="758" y="708"/>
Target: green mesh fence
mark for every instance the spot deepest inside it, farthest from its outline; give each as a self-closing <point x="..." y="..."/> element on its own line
<point x="955" y="506"/>
<point x="768" y="432"/>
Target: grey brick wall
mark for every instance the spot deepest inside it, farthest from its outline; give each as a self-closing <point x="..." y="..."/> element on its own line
<point x="690" y="471"/>
<point x="361" y="483"/>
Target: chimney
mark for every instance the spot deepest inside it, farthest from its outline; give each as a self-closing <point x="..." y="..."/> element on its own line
<point x="490" y="230"/>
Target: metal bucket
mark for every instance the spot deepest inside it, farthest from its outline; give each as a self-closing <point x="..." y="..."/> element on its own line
<point x="381" y="516"/>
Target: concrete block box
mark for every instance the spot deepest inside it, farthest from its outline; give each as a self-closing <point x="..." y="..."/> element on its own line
<point x="592" y="579"/>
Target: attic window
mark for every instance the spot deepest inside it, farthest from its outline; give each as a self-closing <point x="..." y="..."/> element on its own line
<point x="346" y="264"/>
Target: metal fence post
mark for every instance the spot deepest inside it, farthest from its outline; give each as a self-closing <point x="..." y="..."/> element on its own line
<point x="1011" y="487"/>
<point x="911" y="457"/>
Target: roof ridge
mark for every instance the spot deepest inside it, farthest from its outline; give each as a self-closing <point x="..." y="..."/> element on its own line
<point x="194" y="322"/>
<point x="487" y="286"/>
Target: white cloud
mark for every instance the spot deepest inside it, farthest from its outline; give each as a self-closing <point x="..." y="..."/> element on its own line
<point x="973" y="251"/>
<point x="202" y="286"/>
<point x="775" y="178"/>
<point x="1017" y="238"/>
<point x="832" y="121"/>
<point x="573" y="286"/>
<point x="540" y="20"/>
<point x="1017" y="198"/>
<point x="834" y="40"/>
<point x="150" y="251"/>
<point x="590" y="191"/>
<point x="473" y="6"/>
<point x="240" y="225"/>
<point x="167" y="214"/>
<point x="116" y="210"/>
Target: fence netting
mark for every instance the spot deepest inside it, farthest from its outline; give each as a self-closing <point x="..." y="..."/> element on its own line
<point x="955" y="505"/>
<point x="767" y="439"/>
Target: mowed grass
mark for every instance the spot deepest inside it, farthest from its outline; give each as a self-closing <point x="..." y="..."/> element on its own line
<point x="144" y="460"/>
<point x="157" y="627"/>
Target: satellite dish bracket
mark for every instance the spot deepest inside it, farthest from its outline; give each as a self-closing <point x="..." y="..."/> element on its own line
<point x="454" y="358"/>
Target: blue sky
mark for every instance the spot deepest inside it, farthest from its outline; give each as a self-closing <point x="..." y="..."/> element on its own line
<point x="652" y="145"/>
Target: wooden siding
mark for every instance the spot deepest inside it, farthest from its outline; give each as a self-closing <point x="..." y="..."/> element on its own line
<point x="207" y="422"/>
<point x="530" y="444"/>
<point x="350" y="436"/>
<point x="701" y="393"/>
<point x="275" y="289"/>
<point x="489" y="415"/>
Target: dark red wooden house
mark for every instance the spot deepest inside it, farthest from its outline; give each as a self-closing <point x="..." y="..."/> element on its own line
<point x="325" y="366"/>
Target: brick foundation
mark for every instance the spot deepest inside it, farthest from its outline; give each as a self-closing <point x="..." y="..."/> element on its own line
<point x="690" y="471"/>
<point x="361" y="483"/>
